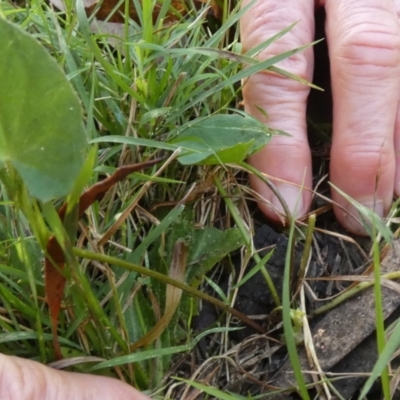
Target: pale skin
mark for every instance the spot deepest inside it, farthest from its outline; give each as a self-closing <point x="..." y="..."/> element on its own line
<point x="364" y="44"/>
<point x="29" y="380"/>
<point x="363" y="38"/>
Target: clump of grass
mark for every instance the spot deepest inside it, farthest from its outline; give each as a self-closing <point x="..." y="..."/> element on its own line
<point x="148" y="83"/>
<point x="151" y="85"/>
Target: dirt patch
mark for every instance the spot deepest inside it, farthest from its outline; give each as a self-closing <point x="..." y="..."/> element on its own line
<point x="343" y="338"/>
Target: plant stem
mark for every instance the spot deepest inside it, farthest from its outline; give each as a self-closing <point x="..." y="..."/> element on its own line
<point x="287" y="320"/>
<point x="170" y="281"/>
<point x="380" y="323"/>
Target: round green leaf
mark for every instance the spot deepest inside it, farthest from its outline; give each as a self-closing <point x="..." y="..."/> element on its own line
<point x="41" y="125"/>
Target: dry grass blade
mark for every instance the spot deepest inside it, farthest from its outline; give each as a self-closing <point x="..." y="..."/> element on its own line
<point x="173" y="296"/>
<point x="394" y="383"/>
<point x="68" y="362"/>
<point x="125" y="214"/>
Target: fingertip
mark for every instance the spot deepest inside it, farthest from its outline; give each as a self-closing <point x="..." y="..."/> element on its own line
<point x="363" y="40"/>
<point x="352" y="216"/>
<point x="292" y="197"/>
<point x="364" y="172"/>
<point x="27" y="379"/>
<point x="108" y="388"/>
<point x="287" y="159"/>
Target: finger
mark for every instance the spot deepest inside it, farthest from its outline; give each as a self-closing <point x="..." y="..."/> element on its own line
<point x="25" y="379"/>
<point x="364" y="47"/>
<point x="397" y="149"/>
<point x="397" y="130"/>
<point x="286" y="158"/>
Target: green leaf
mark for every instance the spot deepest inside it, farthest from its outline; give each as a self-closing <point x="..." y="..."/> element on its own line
<point x="232" y="154"/>
<point x="41" y="129"/>
<point x="154" y="114"/>
<point x="222" y="138"/>
<point x="383" y="361"/>
<point x="207" y="246"/>
<point x="210" y="245"/>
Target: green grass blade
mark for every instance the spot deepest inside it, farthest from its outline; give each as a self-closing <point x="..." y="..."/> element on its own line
<point x="140" y="356"/>
<point x="137" y="254"/>
<point x="216" y="393"/>
<point x="391" y="347"/>
<point x="380" y="321"/>
<point x="287" y="321"/>
<point x="259" y="265"/>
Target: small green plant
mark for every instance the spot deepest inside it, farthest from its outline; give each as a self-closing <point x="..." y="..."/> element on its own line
<point x="82" y="104"/>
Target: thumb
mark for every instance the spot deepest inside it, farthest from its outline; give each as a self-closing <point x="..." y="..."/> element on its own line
<point x="30" y="380"/>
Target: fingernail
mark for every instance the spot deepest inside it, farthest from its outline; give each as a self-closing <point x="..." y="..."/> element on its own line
<point x="355" y="222"/>
<point x="293" y="198"/>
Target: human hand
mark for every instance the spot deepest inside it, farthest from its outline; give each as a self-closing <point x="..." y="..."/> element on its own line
<point x="25" y="379"/>
<point x="364" y="48"/>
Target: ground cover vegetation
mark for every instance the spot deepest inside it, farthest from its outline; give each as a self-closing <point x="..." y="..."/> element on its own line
<point x="145" y="118"/>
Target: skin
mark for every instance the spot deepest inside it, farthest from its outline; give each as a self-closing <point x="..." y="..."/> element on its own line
<point x="29" y="380"/>
<point x="364" y="47"/>
<point x="364" y="44"/>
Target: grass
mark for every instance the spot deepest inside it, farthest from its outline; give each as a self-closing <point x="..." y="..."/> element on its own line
<point x="145" y="87"/>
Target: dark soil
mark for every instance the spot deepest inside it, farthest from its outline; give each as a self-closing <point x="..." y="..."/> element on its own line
<point x="331" y="257"/>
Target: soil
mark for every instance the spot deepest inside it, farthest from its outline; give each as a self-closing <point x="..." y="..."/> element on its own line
<point x="344" y="337"/>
